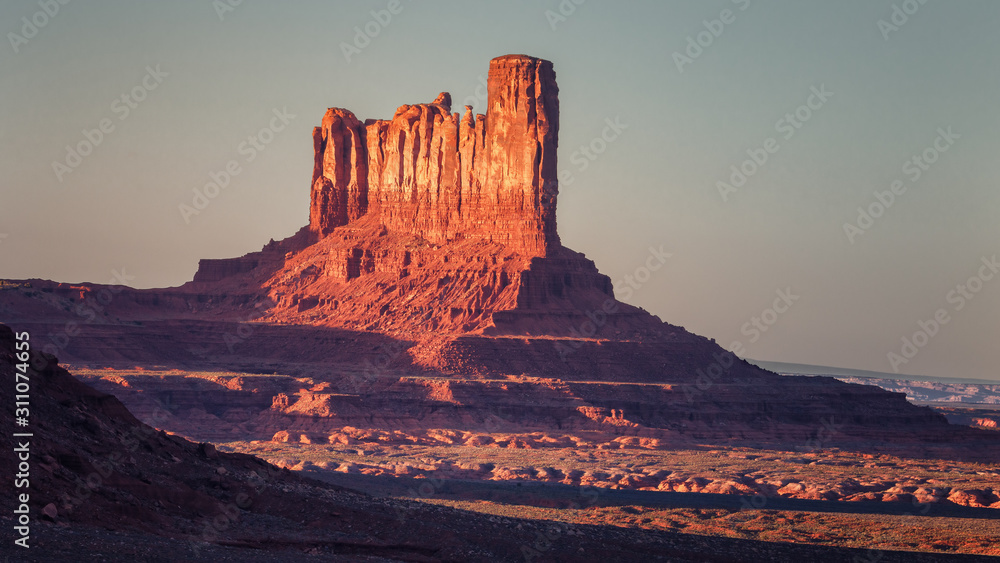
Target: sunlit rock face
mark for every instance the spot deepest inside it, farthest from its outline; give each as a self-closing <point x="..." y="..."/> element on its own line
<point x="430" y="290"/>
<point x="446" y="176"/>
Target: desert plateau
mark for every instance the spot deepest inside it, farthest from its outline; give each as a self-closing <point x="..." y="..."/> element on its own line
<point x="425" y="372"/>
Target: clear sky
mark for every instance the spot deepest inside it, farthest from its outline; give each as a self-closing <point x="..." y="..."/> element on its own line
<point x="693" y="88"/>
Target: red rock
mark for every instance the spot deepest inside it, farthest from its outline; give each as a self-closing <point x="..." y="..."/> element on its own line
<point x="972" y="497"/>
<point x="985" y="423"/>
<point x="432" y="250"/>
<point x="340" y="174"/>
<point x="428" y="172"/>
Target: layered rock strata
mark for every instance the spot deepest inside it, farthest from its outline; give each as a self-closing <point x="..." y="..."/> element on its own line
<point x="432" y="253"/>
<point x="444" y="176"/>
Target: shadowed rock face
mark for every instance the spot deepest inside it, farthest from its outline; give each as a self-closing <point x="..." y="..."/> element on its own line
<point x="92" y="462"/>
<point x="443" y="177"/>
<point x="95" y="468"/>
<point x="436" y="221"/>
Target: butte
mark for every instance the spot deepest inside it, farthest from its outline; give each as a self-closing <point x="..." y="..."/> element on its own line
<point x="430" y="289"/>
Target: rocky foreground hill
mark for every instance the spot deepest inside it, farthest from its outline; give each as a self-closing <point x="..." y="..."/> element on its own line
<point x="103" y="486"/>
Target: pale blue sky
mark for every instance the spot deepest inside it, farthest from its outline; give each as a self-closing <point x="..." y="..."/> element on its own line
<point x="656" y="184"/>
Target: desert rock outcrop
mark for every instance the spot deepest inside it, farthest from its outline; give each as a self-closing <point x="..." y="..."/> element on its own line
<point x="446" y="176"/>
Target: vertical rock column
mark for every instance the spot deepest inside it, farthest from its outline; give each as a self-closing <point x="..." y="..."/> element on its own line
<point x="522" y="135"/>
<point x="442" y="176"/>
<point x="340" y="174"/>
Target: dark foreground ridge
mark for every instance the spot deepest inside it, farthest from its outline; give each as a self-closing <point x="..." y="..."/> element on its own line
<point x="105" y="486"/>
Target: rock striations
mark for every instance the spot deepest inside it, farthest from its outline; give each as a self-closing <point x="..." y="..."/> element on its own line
<point x="442" y="176"/>
<point x="435" y="220"/>
<point x="432" y="253"/>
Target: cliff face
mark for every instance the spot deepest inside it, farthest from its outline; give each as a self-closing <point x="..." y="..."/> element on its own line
<point x="432" y="253"/>
<point x="443" y="177"/>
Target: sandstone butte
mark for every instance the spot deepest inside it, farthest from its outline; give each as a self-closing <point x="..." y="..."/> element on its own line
<point x="430" y="272"/>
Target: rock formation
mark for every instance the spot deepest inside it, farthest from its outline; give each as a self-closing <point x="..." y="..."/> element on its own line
<point x="443" y="176"/>
<point x="439" y="221"/>
<point x="428" y="302"/>
<point x="106" y="487"/>
<point x="432" y="252"/>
